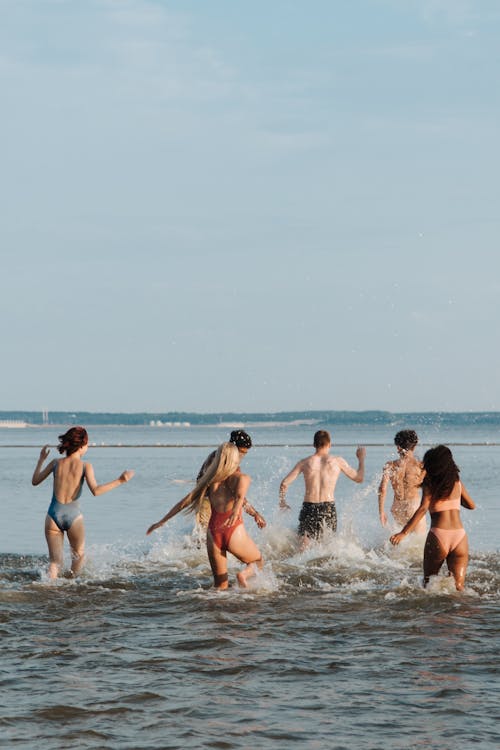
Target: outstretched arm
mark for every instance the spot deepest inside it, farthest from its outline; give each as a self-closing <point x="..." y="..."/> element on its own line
<point x="359" y="475"/>
<point x="171" y="513"/>
<point x="466" y="500"/>
<point x="100" y="489"/>
<point x="382" y="491"/>
<point x="40" y="474"/>
<point x="286" y="482"/>
<point x="414" y="520"/>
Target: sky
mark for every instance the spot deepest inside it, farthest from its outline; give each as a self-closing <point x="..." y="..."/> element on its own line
<point x="250" y="206"/>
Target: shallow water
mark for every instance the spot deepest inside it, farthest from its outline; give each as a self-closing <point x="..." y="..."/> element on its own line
<point x="336" y="647"/>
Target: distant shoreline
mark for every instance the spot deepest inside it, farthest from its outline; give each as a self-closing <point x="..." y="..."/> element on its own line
<point x="251" y="420"/>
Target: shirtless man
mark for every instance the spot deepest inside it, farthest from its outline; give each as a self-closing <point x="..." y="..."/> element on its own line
<point x="321" y="472"/>
<point x="405" y="475"/>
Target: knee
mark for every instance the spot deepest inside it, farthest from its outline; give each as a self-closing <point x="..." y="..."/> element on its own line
<point x="259" y="561"/>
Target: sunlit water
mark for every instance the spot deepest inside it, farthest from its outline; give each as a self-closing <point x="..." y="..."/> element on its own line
<point x="336" y="647"/>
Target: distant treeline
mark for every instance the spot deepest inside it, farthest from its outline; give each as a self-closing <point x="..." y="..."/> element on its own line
<point x="317" y="417"/>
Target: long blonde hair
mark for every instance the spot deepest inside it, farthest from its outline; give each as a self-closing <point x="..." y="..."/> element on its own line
<point x="224" y="463"/>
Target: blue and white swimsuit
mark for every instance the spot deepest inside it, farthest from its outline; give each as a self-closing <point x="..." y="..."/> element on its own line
<point x="63" y="514"/>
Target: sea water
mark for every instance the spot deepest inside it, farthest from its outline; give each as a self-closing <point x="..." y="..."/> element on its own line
<point x="335" y="647"/>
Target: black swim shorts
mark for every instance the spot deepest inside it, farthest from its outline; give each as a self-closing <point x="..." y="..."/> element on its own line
<point x="314" y="518"/>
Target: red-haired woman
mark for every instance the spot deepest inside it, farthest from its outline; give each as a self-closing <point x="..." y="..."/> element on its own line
<point x="64" y="514"/>
<point x="442" y="496"/>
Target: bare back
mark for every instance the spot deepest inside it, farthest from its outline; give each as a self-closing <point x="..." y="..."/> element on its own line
<point x="405" y="475"/>
<point x="68" y="475"/>
<point x="320" y="476"/>
<point x="222" y="495"/>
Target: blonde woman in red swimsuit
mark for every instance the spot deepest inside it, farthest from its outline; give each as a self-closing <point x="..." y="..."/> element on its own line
<point x="442" y="496"/>
<point x="226" y="487"/>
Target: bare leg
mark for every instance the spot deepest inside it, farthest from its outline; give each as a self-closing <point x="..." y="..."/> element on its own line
<point x="457" y="563"/>
<point x="55" y="543"/>
<point x="304" y="542"/>
<point x="434" y="557"/>
<point x="218" y="563"/>
<point x="245" y="549"/>
<point x="76" y="537"/>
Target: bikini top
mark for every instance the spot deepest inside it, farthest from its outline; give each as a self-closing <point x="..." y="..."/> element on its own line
<point x="447" y="503"/>
<point x="80" y="486"/>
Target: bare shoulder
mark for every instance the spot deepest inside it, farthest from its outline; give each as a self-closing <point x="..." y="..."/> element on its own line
<point x="416" y="465"/>
<point x="305" y="462"/>
<point x="239" y="479"/>
<point x="337" y="460"/>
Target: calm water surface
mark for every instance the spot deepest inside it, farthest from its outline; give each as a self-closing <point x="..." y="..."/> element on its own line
<point x="336" y="647"/>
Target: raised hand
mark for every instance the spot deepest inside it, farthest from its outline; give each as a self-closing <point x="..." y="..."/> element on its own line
<point x="44" y="452"/>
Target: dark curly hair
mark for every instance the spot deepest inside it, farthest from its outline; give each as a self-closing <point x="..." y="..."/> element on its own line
<point x="72" y="440"/>
<point x="406" y="439"/>
<point x="240" y="439"/>
<point x="441" y="472"/>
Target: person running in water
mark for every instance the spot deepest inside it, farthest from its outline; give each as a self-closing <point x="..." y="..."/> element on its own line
<point x="321" y="472"/>
<point x="443" y="494"/>
<point x="64" y="515"/>
<point x="226" y="487"/>
<point x="405" y="474"/>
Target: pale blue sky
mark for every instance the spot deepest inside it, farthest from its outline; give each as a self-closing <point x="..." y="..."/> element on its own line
<point x="260" y="206"/>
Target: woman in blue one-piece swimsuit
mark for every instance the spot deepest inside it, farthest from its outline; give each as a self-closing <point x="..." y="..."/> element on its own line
<point x="64" y="514"/>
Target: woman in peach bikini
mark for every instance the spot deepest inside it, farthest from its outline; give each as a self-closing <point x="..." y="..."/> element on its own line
<point x="225" y="486"/>
<point x="442" y="496"/>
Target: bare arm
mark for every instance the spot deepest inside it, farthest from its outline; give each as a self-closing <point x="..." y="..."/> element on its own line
<point x="171" y="513"/>
<point x="466" y="500"/>
<point x="40" y="474"/>
<point x="100" y="489"/>
<point x="382" y="491"/>
<point x="359" y="475"/>
<point x="414" y="520"/>
<point x="286" y="482"/>
<point x="259" y="520"/>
